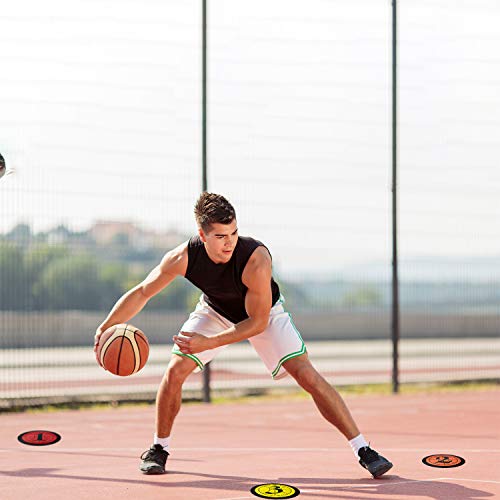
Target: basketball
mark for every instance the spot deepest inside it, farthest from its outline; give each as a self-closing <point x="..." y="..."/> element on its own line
<point x="123" y="349"/>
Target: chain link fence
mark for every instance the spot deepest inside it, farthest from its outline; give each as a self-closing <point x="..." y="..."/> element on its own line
<point x="101" y="122"/>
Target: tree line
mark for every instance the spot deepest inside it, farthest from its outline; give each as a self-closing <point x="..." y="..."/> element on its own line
<point x="78" y="274"/>
<point x="46" y="277"/>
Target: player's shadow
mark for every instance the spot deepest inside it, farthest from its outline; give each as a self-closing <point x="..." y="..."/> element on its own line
<point x="168" y="480"/>
<point x="316" y="487"/>
<point x="387" y="486"/>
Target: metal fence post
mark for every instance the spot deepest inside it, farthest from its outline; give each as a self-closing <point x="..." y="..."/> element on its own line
<point x="395" y="279"/>
<point x="204" y="186"/>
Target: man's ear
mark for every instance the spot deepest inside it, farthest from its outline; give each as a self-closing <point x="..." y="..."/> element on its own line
<point x="202" y="235"/>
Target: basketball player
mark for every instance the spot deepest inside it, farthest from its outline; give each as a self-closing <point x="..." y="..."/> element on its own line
<point x="240" y="301"/>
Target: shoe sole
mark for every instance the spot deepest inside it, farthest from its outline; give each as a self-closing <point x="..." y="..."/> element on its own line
<point x="382" y="470"/>
<point x="153" y="471"/>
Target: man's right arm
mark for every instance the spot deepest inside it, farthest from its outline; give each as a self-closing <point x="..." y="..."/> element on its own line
<point x="173" y="264"/>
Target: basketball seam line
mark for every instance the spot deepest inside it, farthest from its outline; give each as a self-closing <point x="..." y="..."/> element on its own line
<point x="120" y="353"/>
<point x="139" y="351"/>
<point x="137" y="362"/>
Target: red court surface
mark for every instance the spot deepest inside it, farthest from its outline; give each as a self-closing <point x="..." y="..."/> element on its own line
<point x="220" y="451"/>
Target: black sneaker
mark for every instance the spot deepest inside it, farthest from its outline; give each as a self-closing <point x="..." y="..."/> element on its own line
<point x="153" y="460"/>
<point x="373" y="462"/>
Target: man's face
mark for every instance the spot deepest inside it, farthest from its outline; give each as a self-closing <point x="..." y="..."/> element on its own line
<point x="220" y="241"/>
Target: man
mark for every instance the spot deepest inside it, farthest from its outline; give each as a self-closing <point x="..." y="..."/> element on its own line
<point x="240" y="301"/>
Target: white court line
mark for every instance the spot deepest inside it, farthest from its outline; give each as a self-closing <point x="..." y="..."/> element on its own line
<point x="391" y="483"/>
<point x="376" y="485"/>
<point x="238" y="450"/>
<point x="473" y="480"/>
<point x="346" y="448"/>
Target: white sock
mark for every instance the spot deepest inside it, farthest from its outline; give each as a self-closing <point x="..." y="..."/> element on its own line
<point x="357" y="443"/>
<point x="165" y="442"/>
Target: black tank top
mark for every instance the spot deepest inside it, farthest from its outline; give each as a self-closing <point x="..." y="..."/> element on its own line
<point x="221" y="283"/>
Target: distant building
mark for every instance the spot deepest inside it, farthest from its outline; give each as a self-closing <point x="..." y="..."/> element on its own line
<point x="128" y="233"/>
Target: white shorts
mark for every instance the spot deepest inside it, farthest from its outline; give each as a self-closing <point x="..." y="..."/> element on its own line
<point x="278" y="343"/>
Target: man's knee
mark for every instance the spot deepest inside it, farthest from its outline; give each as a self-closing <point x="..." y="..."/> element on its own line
<point x="178" y="370"/>
<point x="304" y="373"/>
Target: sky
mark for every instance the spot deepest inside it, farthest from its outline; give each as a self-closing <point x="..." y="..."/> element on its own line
<point x="100" y="113"/>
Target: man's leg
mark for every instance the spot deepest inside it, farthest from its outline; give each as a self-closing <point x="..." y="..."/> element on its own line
<point x="332" y="407"/>
<point x="327" y="399"/>
<point x="169" y="396"/>
<point x="168" y="403"/>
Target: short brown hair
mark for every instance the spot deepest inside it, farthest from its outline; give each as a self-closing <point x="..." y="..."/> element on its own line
<point x="213" y="208"/>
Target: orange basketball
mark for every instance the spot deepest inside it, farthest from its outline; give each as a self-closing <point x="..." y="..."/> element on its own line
<point x="123" y="349"/>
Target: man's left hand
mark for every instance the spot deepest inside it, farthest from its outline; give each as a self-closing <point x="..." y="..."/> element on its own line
<point x="191" y="343"/>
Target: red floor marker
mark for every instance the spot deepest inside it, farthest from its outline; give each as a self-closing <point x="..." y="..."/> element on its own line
<point x="39" y="438"/>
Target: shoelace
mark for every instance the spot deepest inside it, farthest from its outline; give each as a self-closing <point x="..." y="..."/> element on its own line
<point x="152" y="454"/>
<point x="370" y="454"/>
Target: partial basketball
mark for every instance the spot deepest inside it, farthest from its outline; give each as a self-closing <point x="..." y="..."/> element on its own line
<point x="123" y="349"/>
<point x="3" y="168"/>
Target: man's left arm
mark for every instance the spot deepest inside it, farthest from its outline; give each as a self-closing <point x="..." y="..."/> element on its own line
<point x="258" y="302"/>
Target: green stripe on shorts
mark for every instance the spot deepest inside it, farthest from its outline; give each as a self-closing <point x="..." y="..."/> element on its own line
<point x="293" y="354"/>
<point x="287" y="357"/>
<point x="190" y="356"/>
